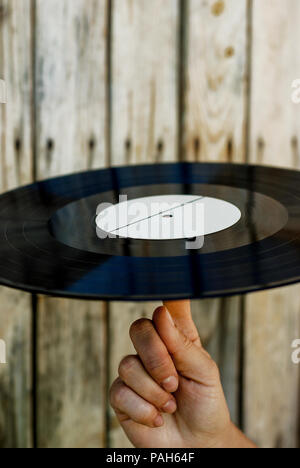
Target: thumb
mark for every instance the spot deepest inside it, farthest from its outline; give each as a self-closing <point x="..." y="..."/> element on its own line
<point x="190" y="359"/>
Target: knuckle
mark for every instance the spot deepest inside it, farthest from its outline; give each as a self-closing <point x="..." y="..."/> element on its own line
<point x="187" y="343"/>
<point x="149" y="414"/>
<point x="126" y="366"/>
<point x="162" y="399"/>
<point x="157" y="363"/>
<point x="140" y="327"/>
<point x="117" y="394"/>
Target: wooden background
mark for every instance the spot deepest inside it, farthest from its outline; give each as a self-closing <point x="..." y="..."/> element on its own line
<point x="98" y="82"/>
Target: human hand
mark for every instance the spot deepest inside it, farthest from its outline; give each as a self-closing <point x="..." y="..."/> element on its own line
<point x="170" y="395"/>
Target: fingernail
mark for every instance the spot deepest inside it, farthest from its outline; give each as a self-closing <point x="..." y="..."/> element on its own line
<point x="170" y="384"/>
<point x="170" y="407"/>
<point x="158" y="421"/>
<point x="170" y="318"/>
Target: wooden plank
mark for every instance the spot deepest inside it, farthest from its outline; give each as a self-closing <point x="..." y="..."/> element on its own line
<point x="71" y="374"/>
<point x="216" y="81"/>
<point x="15" y="169"/>
<point x="71" y="136"/>
<point x="214" y="130"/>
<point x="272" y="319"/>
<point x="144" y="81"/>
<point x="71" y="85"/>
<point x="144" y="122"/>
<point x="2" y="92"/>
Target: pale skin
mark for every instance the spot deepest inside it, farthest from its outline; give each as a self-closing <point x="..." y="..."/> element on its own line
<point x="169" y="395"/>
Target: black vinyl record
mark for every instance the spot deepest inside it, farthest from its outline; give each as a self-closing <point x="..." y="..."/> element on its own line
<point x="49" y="241"/>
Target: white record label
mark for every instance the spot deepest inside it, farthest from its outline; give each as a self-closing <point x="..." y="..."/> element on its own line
<point x="167" y="217"/>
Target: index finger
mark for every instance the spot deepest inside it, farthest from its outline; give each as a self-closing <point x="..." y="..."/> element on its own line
<point x="154" y="354"/>
<point x="182" y="316"/>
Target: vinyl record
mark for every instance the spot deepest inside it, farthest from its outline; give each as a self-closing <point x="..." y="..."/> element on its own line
<point x="155" y="232"/>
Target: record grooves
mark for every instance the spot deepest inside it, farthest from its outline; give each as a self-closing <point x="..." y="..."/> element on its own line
<point x="49" y="242"/>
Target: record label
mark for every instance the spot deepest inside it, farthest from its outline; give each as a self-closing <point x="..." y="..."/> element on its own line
<point x="167" y="217"/>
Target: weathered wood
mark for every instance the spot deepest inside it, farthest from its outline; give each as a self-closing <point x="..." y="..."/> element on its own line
<point x="71" y="136"/>
<point x="16" y="65"/>
<point x="2" y="92"/>
<point x="144" y="122"/>
<point x="214" y="130"/>
<point x="272" y="319"/>
<point x="71" y="374"/>
<point x="15" y="169"/>
<point x="15" y="375"/>
<point x="215" y="83"/>
<point x="144" y="81"/>
<point x="71" y="85"/>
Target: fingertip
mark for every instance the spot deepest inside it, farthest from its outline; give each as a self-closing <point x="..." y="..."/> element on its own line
<point x="139" y="327"/>
<point x="170" y="384"/>
<point x="162" y="316"/>
<point x="170" y="407"/>
<point x="158" y="311"/>
<point x="181" y="314"/>
<point x="158" y="421"/>
<point x="179" y="309"/>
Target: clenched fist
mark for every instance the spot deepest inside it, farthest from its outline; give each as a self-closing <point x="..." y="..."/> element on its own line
<point x="170" y="395"/>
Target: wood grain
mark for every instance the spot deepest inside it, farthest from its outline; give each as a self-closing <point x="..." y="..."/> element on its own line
<point x="144" y="81"/>
<point x="144" y="123"/>
<point x="15" y="169"/>
<point x="2" y="92"/>
<point x="215" y="118"/>
<point x="71" y="110"/>
<point x="273" y="319"/>
<point x="71" y="85"/>
<point x="71" y="374"/>
<point x="214" y="130"/>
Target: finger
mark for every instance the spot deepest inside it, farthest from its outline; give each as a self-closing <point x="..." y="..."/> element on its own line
<point x="134" y="375"/>
<point x="129" y="405"/>
<point x="190" y="360"/>
<point x="182" y="316"/>
<point x="154" y="355"/>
